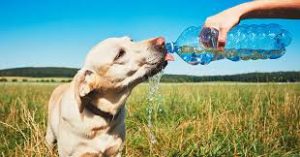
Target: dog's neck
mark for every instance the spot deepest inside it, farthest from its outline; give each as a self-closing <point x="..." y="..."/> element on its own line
<point x="105" y="104"/>
<point x="96" y="111"/>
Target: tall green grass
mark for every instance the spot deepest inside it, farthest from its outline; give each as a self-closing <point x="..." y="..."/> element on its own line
<point x="217" y="119"/>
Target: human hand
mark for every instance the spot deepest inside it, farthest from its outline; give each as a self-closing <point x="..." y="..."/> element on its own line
<point x="223" y="22"/>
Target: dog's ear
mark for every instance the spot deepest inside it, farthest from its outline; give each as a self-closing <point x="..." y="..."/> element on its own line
<point x="85" y="81"/>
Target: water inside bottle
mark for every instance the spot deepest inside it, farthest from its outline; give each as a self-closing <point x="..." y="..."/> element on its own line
<point x="194" y="55"/>
<point x="197" y="50"/>
<point x="247" y="54"/>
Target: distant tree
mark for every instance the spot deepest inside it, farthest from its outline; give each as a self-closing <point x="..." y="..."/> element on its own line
<point x="44" y="80"/>
<point x="39" y="72"/>
<point x="24" y="80"/>
<point x="14" y="80"/>
<point x="3" y="80"/>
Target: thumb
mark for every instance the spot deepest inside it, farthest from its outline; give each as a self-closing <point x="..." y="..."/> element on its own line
<point x="222" y="38"/>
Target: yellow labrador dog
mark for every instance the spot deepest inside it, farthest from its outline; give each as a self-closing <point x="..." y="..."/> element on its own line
<point x="86" y="117"/>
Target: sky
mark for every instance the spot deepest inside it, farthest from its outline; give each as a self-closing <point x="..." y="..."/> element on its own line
<point x="59" y="33"/>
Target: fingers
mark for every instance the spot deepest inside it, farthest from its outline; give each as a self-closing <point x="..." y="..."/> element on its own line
<point x="208" y="37"/>
<point x="222" y="38"/>
<point x="222" y="25"/>
<point x="219" y="33"/>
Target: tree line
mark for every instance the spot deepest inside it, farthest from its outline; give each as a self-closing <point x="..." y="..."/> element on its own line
<point x="293" y="76"/>
<point x="248" y="77"/>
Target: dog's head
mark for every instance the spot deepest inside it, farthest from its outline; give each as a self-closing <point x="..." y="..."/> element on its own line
<point x="116" y="65"/>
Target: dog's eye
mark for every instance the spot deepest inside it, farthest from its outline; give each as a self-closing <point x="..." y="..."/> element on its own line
<point x="120" y="54"/>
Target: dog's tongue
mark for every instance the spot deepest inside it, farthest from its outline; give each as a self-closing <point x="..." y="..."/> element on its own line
<point x="169" y="57"/>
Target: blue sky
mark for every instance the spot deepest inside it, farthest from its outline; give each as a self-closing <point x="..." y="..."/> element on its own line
<point x="61" y="32"/>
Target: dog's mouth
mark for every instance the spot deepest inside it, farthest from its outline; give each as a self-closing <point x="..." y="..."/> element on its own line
<point x="159" y="65"/>
<point x="153" y="68"/>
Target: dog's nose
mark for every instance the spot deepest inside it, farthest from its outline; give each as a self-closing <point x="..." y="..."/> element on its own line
<point x="158" y="43"/>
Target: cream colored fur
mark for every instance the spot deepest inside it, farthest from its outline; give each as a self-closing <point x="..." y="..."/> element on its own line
<point x="110" y="71"/>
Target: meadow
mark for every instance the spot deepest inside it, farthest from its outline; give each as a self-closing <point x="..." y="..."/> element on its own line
<point x="203" y="119"/>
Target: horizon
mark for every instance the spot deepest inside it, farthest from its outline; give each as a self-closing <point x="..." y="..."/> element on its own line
<point x="163" y="72"/>
<point x="60" y="33"/>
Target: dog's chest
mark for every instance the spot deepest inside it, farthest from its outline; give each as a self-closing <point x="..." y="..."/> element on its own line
<point x="95" y="139"/>
<point x="96" y="128"/>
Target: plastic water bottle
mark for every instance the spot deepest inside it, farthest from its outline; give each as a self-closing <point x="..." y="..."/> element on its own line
<point x="244" y="42"/>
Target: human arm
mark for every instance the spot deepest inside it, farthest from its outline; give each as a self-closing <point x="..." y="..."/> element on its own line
<point x="225" y="20"/>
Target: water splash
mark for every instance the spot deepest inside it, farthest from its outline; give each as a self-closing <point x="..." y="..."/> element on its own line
<point x="153" y="101"/>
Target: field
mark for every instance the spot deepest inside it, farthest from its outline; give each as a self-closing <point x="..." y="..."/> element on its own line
<point x="208" y="119"/>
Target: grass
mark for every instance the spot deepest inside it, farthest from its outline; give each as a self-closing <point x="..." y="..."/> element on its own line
<point x="212" y="119"/>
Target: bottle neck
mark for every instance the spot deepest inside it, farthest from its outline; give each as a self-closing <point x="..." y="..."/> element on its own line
<point x="171" y="48"/>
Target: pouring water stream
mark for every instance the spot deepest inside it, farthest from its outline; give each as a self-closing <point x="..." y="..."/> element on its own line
<point x="153" y="102"/>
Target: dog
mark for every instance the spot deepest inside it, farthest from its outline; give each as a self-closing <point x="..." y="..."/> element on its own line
<point x="86" y="117"/>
